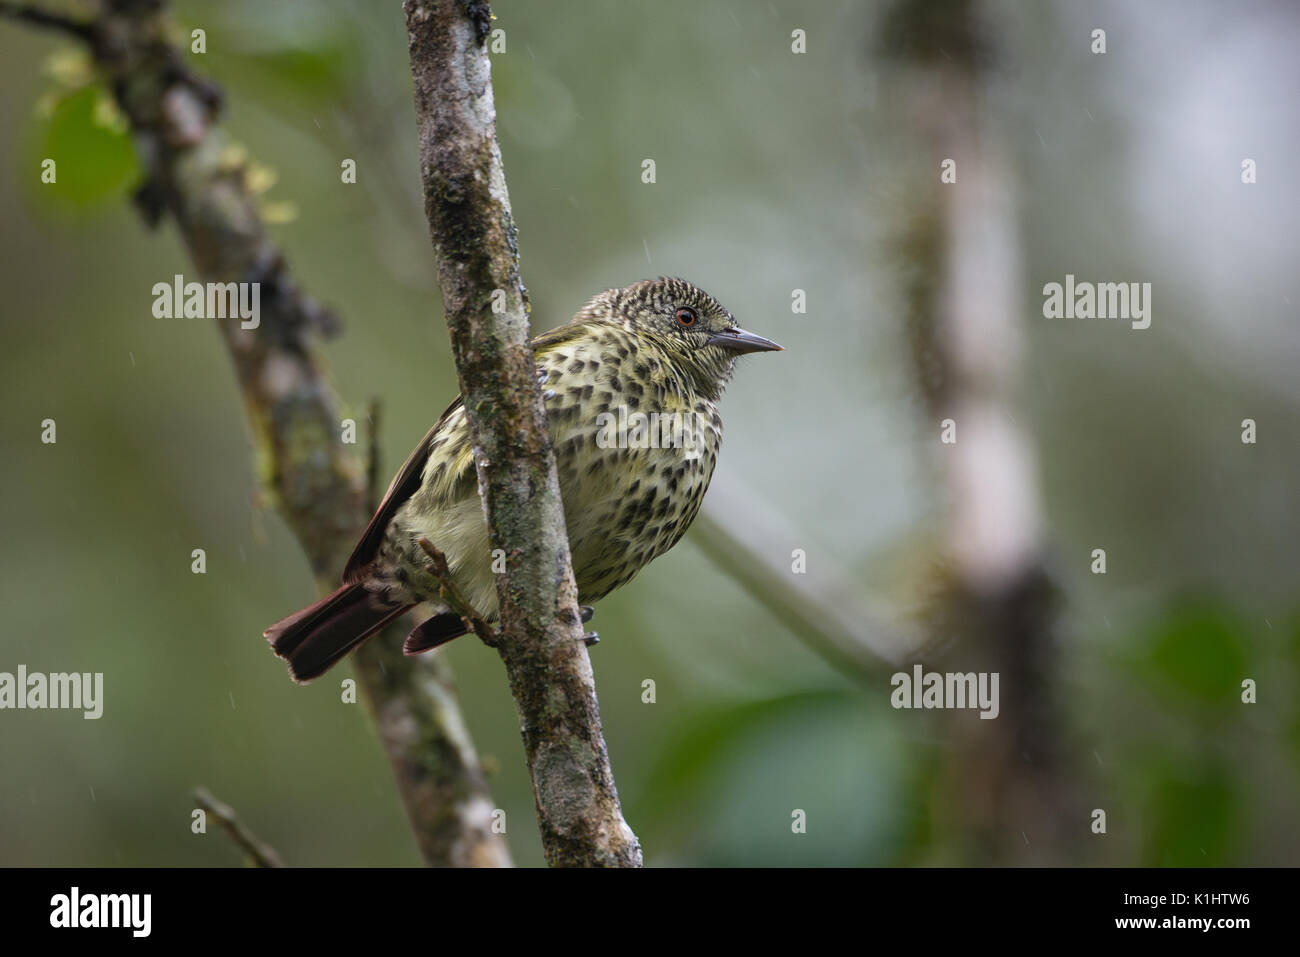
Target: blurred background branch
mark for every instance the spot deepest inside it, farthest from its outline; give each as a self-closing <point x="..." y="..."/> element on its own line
<point x="996" y="612"/>
<point x="749" y="542"/>
<point x="193" y="175"/>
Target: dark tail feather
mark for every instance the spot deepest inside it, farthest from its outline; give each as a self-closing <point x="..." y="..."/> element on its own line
<point x="433" y="632"/>
<point x="314" y="639"/>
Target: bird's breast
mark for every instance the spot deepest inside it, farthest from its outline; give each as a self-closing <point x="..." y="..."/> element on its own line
<point x="635" y="446"/>
<point x="635" y="450"/>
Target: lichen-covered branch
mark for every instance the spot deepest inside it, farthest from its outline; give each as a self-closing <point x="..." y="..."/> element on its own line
<point x="194" y="176"/>
<point x="474" y="240"/>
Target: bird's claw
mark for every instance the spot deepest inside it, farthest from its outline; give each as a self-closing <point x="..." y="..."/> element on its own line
<point x="591" y="638"/>
<point x="542" y="376"/>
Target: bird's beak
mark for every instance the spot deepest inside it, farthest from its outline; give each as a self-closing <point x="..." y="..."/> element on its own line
<point x="737" y="340"/>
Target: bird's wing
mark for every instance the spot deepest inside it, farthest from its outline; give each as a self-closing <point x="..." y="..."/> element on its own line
<point x="557" y="336"/>
<point x="399" y="490"/>
<point x="411" y="473"/>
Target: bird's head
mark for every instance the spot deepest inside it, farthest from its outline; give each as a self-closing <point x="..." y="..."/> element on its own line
<point x="696" y="332"/>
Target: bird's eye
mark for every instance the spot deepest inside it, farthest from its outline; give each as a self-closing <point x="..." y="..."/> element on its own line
<point x="686" y="317"/>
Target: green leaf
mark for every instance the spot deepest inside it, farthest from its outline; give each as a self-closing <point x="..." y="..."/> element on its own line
<point x="1198" y="652"/>
<point x="1193" y="807"/>
<point x="94" y="158"/>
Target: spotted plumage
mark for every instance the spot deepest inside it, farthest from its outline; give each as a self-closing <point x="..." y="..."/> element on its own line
<point x="631" y="387"/>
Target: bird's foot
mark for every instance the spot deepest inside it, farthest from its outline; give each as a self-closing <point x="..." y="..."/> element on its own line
<point x="591" y="638"/>
<point x="452" y="597"/>
<point x="587" y="613"/>
<point x="542" y="376"/>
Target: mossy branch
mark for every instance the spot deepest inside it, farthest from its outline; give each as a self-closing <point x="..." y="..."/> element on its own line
<point x="473" y="235"/>
<point x="320" y="488"/>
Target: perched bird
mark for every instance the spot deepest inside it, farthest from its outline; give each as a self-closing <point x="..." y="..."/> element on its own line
<point x="631" y="387"/>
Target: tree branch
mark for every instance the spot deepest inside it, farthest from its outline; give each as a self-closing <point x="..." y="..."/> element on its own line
<point x="473" y="236"/>
<point x="319" y="486"/>
<point x="26" y="13"/>
<point x="261" y="854"/>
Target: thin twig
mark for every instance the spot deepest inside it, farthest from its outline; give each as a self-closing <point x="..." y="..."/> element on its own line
<point x="453" y="597"/>
<point x="261" y="853"/>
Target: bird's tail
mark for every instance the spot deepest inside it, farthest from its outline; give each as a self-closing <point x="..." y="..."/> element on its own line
<point x="314" y="639"/>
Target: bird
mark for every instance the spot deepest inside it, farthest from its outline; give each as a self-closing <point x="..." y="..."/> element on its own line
<point x="631" y="386"/>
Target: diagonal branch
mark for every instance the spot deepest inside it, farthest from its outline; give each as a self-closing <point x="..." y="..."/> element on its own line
<point x="260" y="853"/>
<point x="317" y="484"/>
<point x="746" y="541"/>
<point x="48" y="19"/>
<point x="473" y="236"/>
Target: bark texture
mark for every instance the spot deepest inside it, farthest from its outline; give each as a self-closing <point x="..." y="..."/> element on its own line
<point x="486" y="310"/>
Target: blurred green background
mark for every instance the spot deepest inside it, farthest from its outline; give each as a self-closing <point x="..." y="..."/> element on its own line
<point x="775" y="172"/>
